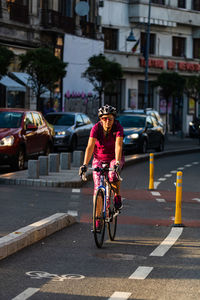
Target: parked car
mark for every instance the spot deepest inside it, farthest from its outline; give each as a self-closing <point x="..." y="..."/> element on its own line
<point x="141" y="132"/>
<point x="72" y="129"/>
<point x="149" y="112"/>
<point x="23" y="134"/>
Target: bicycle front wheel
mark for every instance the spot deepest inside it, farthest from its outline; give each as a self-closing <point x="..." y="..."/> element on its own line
<point x="98" y="218"/>
<point x="112" y="224"/>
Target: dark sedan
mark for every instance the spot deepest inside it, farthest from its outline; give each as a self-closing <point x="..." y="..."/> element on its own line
<point x="141" y="132"/>
<point x="71" y="129"/>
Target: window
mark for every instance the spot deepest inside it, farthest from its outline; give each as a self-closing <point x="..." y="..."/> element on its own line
<point x="79" y="120"/>
<point x="29" y="119"/>
<point x="158" y="1"/>
<point x="196" y="4"/>
<point x="38" y="121"/>
<point x="196" y="48"/>
<point x="65" y="7"/>
<point x="178" y="46"/>
<point x="181" y="3"/>
<point x="151" y="45"/>
<point x="110" y="38"/>
<point x="86" y="120"/>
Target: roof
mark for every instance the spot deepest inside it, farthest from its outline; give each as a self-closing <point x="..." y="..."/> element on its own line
<point x="12" y="85"/>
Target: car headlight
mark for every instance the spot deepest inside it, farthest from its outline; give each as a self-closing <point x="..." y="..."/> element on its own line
<point x="7" y="141"/>
<point x="61" y="133"/>
<point x="133" y="136"/>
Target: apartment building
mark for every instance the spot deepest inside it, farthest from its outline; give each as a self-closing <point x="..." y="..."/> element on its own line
<point x="59" y="24"/>
<point x="174" y="46"/>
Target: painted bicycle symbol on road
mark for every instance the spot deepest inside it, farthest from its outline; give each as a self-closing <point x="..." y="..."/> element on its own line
<point x="54" y="277"/>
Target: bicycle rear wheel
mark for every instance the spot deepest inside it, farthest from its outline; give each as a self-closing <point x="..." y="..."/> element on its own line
<point x="112" y="224"/>
<point x="98" y="218"/>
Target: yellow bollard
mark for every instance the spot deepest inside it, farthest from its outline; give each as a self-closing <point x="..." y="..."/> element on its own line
<point x="178" y="217"/>
<point x="151" y="171"/>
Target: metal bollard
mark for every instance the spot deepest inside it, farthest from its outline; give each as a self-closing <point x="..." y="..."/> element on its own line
<point x="151" y="171"/>
<point x="178" y="216"/>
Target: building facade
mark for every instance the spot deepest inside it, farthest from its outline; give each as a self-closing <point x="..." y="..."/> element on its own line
<point x="174" y="47"/>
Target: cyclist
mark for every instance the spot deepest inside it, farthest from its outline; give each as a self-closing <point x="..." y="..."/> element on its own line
<point x="105" y="144"/>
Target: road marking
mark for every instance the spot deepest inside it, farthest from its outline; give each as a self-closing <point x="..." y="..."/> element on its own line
<point x="73" y="213"/>
<point x="156" y="184"/>
<point x="168" y="175"/>
<point x="162" y="179"/>
<point x="181" y="168"/>
<point x="141" y="273"/>
<point x="155" y="193"/>
<point x="195" y="163"/>
<point x="26" y="294"/>
<point x="188" y="165"/>
<point x="53" y="277"/>
<point x="175" y="183"/>
<point x="160" y="200"/>
<point x="173" y="171"/>
<point x="76" y="190"/>
<point x="168" y="242"/>
<point x="196" y="199"/>
<point x="120" y="296"/>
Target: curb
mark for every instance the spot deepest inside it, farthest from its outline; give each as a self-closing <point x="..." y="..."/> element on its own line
<point x="32" y="233"/>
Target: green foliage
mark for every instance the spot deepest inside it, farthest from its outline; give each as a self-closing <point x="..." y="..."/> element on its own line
<point x="102" y="73"/>
<point x="192" y="87"/>
<point x="6" y="57"/>
<point x="44" y="68"/>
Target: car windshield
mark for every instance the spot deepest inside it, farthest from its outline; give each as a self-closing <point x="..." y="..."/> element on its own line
<point x="10" y="119"/>
<point x="132" y="121"/>
<point x="63" y="120"/>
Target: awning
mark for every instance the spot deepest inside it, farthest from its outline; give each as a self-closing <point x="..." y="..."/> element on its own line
<point x="25" y="78"/>
<point x="12" y="85"/>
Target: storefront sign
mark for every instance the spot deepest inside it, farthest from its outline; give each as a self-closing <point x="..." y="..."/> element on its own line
<point x="171" y="65"/>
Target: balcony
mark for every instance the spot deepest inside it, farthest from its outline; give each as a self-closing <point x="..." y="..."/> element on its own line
<point x="88" y="29"/>
<point x="18" y="13"/>
<point x="51" y="18"/>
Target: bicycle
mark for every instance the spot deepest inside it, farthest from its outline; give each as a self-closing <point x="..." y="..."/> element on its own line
<point x="104" y="209"/>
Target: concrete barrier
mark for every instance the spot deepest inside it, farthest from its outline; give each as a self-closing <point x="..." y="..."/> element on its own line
<point x="65" y="161"/>
<point x="43" y="165"/>
<point x="54" y="162"/>
<point x="78" y="157"/>
<point x="33" y="169"/>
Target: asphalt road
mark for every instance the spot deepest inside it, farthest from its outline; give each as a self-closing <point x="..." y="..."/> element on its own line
<point x="124" y="268"/>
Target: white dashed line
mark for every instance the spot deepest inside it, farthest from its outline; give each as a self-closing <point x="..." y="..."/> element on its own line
<point x="155" y="193"/>
<point x="160" y="200"/>
<point x="168" y="242"/>
<point x="196" y="199"/>
<point x="120" y="296"/>
<point x="188" y="165"/>
<point x="168" y="175"/>
<point x="76" y="190"/>
<point x="141" y="273"/>
<point x="173" y="171"/>
<point x="181" y="168"/>
<point x="162" y="179"/>
<point x="156" y="184"/>
<point x="73" y="213"/>
<point x="26" y="294"/>
<point x="195" y="163"/>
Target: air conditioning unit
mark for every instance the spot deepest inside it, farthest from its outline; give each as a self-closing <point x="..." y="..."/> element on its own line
<point x="101" y="3"/>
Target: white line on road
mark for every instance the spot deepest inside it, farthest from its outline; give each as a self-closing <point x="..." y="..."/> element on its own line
<point x="73" y="213"/>
<point x="119" y="296"/>
<point x="26" y="294"/>
<point x="173" y="171"/>
<point x="141" y="273"/>
<point x="160" y="200"/>
<point x="188" y="165"/>
<point x="168" y="175"/>
<point x="181" y="168"/>
<point x="195" y="163"/>
<point x="156" y="184"/>
<point x="168" y="242"/>
<point x="162" y="179"/>
<point x="196" y="199"/>
<point x="155" y="193"/>
<point x="76" y="190"/>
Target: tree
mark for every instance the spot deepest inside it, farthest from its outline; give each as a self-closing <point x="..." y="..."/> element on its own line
<point x="172" y="85"/>
<point x="102" y="74"/>
<point x="44" y="68"/>
<point x="192" y="88"/>
<point x="6" y="57"/>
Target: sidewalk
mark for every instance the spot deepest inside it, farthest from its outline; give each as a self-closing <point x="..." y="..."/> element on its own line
<point x="70" y="178"/>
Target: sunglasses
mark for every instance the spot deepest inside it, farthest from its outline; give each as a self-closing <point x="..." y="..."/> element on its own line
<point x="107" y="119"/>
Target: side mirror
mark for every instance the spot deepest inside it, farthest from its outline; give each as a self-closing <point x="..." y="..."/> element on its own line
<point x="31" y="127"/>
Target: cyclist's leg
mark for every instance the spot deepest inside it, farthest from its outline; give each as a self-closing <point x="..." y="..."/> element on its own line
<point x="116" y="183"/>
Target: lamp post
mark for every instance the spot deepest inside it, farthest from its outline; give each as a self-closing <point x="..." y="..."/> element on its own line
<point x="146" y="81"/>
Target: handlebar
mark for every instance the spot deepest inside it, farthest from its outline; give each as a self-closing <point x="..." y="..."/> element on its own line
<point x="101" y="170"/>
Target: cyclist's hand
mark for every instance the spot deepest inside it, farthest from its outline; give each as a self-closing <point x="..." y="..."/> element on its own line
<point x="116" y="167"/>
<point x="82" y="170"/>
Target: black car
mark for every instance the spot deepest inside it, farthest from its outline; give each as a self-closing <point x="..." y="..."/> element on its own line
<point x="72" y="129"/>
<point x="141" y="132"/>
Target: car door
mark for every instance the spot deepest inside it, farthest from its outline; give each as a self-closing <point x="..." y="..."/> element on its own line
<point x="30" y="135"/>
<point x="42" y="134"/>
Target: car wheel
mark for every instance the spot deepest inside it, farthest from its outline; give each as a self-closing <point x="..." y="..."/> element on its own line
<point x="143" y="147"/>
<point x="73" y="144"/>
<point x="19" y="161"/>
<point x="161" y="146"/>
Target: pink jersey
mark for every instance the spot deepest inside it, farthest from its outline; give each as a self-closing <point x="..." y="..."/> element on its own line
<point x="104" y="149"/>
